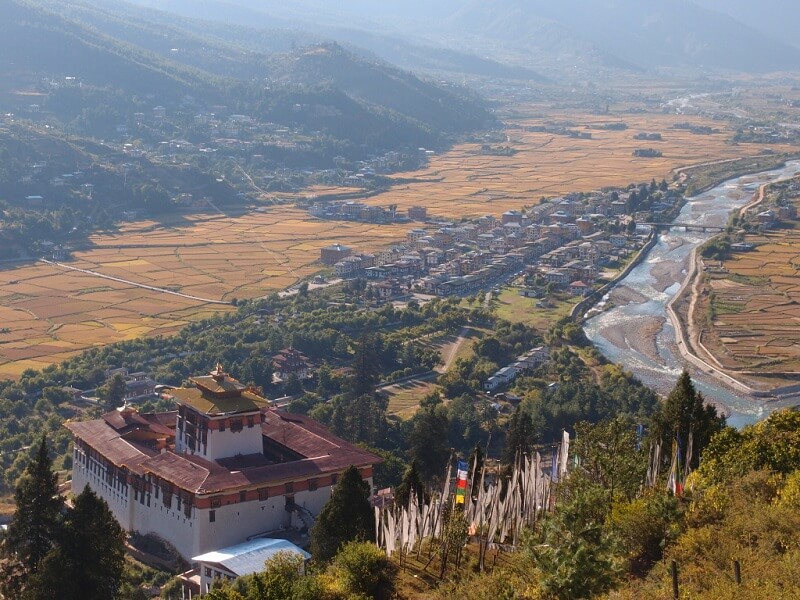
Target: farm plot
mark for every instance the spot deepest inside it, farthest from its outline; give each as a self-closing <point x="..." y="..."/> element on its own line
<point x="50" y="313"/>
<point x="466" y="183"/>
<point x="755" y="307"/>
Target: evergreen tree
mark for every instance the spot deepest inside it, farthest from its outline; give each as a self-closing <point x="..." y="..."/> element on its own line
<point x="360" y="418"/>
<point x="411" y="485"/>
<point x="519" y="438"/>
<point x="293" y="386"/>
<point x="346" y="516"/>
<point x="325" y="382"/>
<point x="365" y="366"/>
<point x="428" y="439"/>
<point x="575" y="556"/>
<point x="113" y="392"/>
<point x="36" y="522"/>
<point x="685" y="412"/>
<point x="87" y="563"/>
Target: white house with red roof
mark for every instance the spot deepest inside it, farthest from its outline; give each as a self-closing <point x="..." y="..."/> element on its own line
<point x="223" y="468"/>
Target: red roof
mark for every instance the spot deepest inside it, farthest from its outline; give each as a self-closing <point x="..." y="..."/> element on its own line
<point x="320" y="452"/>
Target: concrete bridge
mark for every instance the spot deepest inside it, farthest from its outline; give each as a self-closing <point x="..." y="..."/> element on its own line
<point x="686" y="226"/>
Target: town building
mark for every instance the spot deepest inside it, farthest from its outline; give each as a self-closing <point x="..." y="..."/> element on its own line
<point x="417" y="213"/>
<point x="223" y="468"/>
<point x="290" y="362"/>
<point x="332" y="254"/>
<point x="235" y="561"/>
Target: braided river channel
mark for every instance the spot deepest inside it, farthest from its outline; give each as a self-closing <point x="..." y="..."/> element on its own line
<point x="635" y="330"/>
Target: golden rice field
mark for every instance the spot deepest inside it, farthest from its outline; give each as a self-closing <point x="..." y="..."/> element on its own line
<point x="51" y="313"/>
<point x="757" y="307"/>
<point x="463" y="183"/>
<point x="48" y="315"/>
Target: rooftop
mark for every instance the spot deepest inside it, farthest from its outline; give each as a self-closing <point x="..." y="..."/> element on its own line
<point x="207" y="404"/>
<point x="219" y="394"/>
<point x="248" y="557"/>
<point x="298" y="447"/>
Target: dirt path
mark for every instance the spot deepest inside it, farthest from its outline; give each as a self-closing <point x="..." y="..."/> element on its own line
<point x="684" y="334"/>
<point x="452" y="350"/>
<point x="133" y="283"/>
<point x="757" y="199"/>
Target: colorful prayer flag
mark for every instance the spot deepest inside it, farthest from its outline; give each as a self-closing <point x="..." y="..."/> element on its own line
<point x="461" y="482"/>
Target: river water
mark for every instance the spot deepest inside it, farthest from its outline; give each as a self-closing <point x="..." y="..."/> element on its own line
<point x="635" y="331"/>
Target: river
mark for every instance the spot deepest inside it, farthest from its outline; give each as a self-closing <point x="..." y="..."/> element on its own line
<point x="635" y="331"/>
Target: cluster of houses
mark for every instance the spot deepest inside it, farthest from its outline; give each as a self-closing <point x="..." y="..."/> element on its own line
<point x="358" y="211"/>
<point x="530" y="360"/>
<point x="563" y="242"/>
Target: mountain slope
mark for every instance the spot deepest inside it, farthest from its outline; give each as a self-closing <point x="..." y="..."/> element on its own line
<point x="776" y="18"/>
<point x="379" y="85"/>
<point x="677" y="33"/>
<point x="49" y="41"/>
<point x="35" y="41"/>
<point x="665" y="34"/>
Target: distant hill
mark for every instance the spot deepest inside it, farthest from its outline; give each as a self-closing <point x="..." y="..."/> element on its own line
<point x="621" y="34"/>
<point x="776" y="18"/>
<point x="364" y="25"/>
<point x="357" y="73"/>
<point x="129" y="60"/>
<point x="34" y="41"/>
<point x="672" y="33"/>
<point x="379" y="85"/>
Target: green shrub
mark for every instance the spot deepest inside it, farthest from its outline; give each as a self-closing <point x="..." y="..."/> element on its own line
<point x="361" y="568"/>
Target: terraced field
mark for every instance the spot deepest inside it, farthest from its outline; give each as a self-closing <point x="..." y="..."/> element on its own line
<point x="48" y="312"/>
<point x="464" y="182"/>
<point x="755" y="306"/>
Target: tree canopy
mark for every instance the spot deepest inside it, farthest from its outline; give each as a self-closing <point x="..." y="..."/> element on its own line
<point x="685" y="414"/>
<point x="347" y="516"/>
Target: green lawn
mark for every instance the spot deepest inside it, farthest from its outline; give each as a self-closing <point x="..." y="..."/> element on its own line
<point x="517" y="309"/>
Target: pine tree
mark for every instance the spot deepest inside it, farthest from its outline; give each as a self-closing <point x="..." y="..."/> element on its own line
<point x="411" y="484"/>
<point x="88" y="562"/>
<point x="36" y="522"/>
<point x="519" y="438"/>
<point x="685" y="412"/>
<point x="346" y="516"/>
<point x="113" y="392"/>
<point x="366" y="366"/>
<point x="428" y="441"/>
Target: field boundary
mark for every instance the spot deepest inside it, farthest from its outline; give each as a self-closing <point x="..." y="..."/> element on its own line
<point x="133" y="283"/>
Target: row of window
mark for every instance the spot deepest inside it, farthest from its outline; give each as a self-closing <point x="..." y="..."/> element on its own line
<point x="114" y="477"/>
<point x="263" y="493"/>
<point x="237" y="425"/>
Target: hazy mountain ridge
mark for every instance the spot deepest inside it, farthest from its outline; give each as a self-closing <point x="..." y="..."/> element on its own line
<point x="375" y="101"/>
<point x="668" y="34"/>
<point x="777" y="18"/>
<point x="36" y="41"/>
